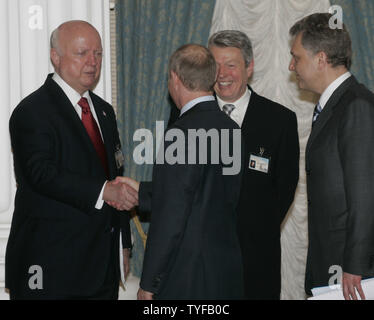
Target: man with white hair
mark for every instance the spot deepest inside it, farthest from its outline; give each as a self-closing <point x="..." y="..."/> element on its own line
<point x="64" y="240"/>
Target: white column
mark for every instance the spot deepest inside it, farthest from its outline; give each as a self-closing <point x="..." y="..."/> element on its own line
<point x="25" y="28"/>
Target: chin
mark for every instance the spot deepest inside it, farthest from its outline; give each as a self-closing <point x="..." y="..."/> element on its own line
<point x="224" y="95"/>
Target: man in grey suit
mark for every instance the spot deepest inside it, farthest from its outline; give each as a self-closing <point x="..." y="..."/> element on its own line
<point x="339" y="157"/>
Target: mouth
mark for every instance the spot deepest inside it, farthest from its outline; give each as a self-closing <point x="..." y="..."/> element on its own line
<point x="224" y="84"/>
<point x="90" y="73"/>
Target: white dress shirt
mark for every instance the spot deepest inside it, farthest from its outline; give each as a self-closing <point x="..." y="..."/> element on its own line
<point x="194" y="102"/>
<point x="241" y="106"/>
<point x="74" y="98"/>
<point x="331" y="88"/>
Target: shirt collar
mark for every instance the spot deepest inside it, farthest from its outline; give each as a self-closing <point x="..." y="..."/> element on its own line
<point x="194" y="102"/>
<point x="72" y="95"/>
<point x="241" y="102"/>
<point x="331" y="88"/>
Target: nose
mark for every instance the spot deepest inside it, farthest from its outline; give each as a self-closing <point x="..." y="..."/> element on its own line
<point x="93" y="59"/>
<point x="221" y="71"/>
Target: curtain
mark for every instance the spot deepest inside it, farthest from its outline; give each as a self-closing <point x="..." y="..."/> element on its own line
<point x="358" y="16"/>
<point x="267" y="24"/>
<point x="147" y="34"/>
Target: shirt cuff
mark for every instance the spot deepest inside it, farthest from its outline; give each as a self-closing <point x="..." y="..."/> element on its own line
<point x="100" y="201"/>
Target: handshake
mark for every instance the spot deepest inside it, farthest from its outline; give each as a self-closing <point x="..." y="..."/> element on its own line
<point x="121" y="193"/>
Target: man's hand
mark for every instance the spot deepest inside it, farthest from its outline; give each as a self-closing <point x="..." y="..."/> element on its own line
<point x="350" y="283"/>
<point x="126" y="262"/>
<point x="144" y="295"/>
<point x="120" y="195"/>
<point x="131" y="182"/>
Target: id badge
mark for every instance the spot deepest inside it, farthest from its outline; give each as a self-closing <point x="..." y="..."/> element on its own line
<point x="120" y="159"/>
<point x="259" y="163"/>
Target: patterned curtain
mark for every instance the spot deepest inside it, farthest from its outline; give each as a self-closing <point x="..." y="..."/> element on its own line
<point x="147" y="34"/>
<point x="358" y="16"/>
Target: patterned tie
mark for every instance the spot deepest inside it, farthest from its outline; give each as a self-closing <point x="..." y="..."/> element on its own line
<point x="228" y="108"/>
<point x="94" y="132"/>
<point x="317" y="111"/>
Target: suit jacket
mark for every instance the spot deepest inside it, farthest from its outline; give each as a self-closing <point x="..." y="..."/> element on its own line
<point x="340" y="182"/>
<point x="59" y="177"/>
<point x="265" y="197"/>
<point x="192" y="249"/>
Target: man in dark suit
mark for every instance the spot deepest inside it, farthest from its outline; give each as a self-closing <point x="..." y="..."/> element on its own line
<point x="192" y="249"/>
<point x="339" y="157"/>
<point x="271" y="166"/>
<point x="64" y="240"/>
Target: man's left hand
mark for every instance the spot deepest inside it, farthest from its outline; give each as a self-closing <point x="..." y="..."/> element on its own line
<point x="350" y="283"/>
<point x="144" y="295"/>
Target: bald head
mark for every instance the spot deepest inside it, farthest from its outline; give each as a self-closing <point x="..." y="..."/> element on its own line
<point x="76" y="54"/>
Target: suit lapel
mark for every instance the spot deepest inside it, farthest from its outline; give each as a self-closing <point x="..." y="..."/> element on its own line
<point x="106" y="131"/>
<point x="328" y="110"/>
<point x="66" y="109"/>
<point x="251" y="107"/>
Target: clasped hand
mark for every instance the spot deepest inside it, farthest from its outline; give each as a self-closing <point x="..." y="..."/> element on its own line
<point x="121" y="193"/>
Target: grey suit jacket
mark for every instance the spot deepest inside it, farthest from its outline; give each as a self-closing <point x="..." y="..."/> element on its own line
<point x="340" y="184"/>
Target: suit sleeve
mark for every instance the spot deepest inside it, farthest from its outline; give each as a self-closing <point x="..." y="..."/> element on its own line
<point x="173" y="190"/>
<point x="145" y="196"/>
<point x="287" y="170"/>
<point x="356" y="152"/>
<point x="33" y="145"/>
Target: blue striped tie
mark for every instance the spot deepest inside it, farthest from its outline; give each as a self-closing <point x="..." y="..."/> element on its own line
<point x="317" y="111"/>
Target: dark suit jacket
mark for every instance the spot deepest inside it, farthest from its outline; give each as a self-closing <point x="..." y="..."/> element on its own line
<point x="192" y="248"/>
<point x="266" y="197"/>
<point x="59" y="176"/>
<point x="340" y="182"/>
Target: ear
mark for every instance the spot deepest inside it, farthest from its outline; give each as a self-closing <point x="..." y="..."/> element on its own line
<point x="322" y="59"/>
<point x="55" y="58"/>
<point x="174" y="76"/>
<point x="250" y="68"/>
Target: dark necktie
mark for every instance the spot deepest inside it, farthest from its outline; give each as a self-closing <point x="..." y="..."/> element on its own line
<point x="94" y="133"/>
<point x="317" y="111"/>
<point x="228" y="108"/>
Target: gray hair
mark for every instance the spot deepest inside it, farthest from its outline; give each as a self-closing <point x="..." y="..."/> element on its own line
<point x="54" y="40"/>
<point x="317" y="36"/>
<point x="233" y="38"/>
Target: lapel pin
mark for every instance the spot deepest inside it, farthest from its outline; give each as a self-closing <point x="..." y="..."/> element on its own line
<point x="104" y="114"/>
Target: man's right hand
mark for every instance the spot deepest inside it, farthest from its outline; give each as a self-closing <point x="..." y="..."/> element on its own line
<point x="120" y="195"/>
